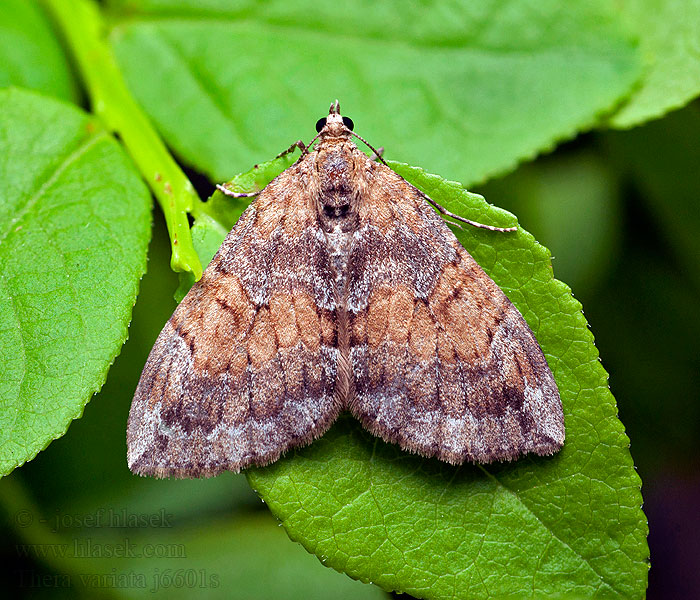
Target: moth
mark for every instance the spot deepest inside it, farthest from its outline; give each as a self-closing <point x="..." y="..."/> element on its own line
<point x="341" y="289"/>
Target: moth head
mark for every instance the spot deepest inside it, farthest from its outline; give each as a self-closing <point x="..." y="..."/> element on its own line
<point x="335" y="125"/>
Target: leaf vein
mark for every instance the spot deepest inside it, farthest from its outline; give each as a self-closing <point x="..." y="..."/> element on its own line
<point x="602" y="578"/>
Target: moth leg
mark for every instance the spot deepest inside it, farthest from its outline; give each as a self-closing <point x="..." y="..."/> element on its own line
<point x="233" y="194"/>
<point x="298" y="144"/>
<point x="443" y="211"/>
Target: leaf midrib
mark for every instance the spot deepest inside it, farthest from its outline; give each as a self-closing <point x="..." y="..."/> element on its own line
<point x="119" y="24"/>
<point x="519" y="499"/>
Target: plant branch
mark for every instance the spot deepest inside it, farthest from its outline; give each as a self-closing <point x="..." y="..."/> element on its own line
<point x="81" y="23"/>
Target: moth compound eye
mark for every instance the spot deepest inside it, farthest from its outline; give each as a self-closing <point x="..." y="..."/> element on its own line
<point x="347" y="121"/>
<point x="320" y="124"/>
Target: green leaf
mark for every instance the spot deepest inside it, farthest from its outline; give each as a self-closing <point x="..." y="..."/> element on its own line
<point x="30" y="55"/>
<point x="468" y="89"/>
<point x="534" y="527"/>
<point x="570" y="202"/>
<point x="668" y="31"/>
<point x="75" y="226"/>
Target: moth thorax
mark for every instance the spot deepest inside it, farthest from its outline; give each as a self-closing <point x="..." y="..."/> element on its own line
<point x="337" y="202"/>
<point x="338" y="213"/>
<point x="335" y="175"/>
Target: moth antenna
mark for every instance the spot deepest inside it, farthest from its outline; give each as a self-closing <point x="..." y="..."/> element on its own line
<point x="454" y="224"/>
<point x="377" y="153"/>
<point x="380" y="151"/>
<point x="442" y="210"/>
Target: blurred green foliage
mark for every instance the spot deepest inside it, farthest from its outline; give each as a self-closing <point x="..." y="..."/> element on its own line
<point x="466" y="92"/>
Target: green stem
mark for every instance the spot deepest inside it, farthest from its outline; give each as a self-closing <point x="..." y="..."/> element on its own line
<point x="81" y="23"/>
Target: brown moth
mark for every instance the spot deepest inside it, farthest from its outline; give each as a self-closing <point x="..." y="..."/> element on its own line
<point x="340" y="288"/>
